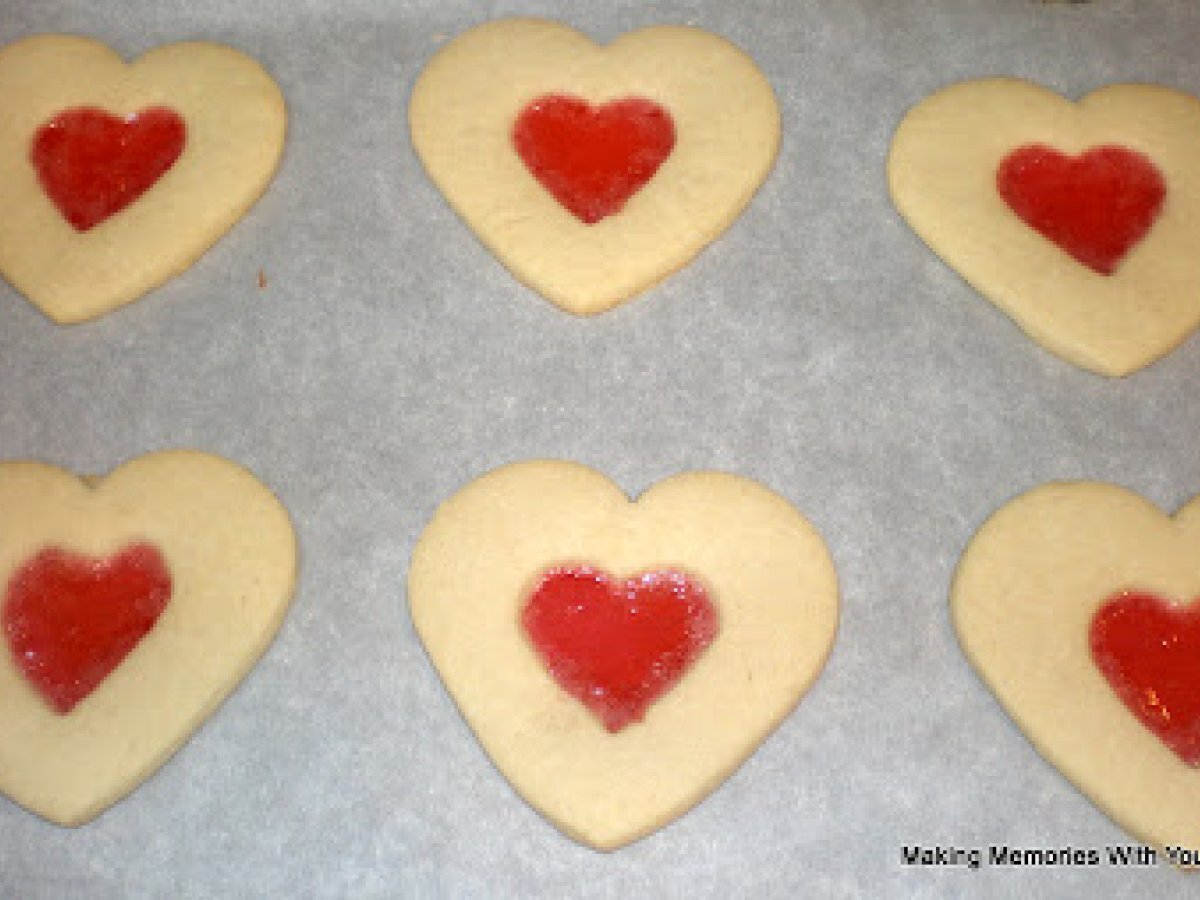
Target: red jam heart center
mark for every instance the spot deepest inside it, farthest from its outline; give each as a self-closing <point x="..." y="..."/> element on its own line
<point x="1149" y="650"/>
<point x="1096" y="206"/>
<point x="593" y="159"/>
<point x="617" y="646"/>
<point x="70" y="619"/>
<point x="92" y="164"/>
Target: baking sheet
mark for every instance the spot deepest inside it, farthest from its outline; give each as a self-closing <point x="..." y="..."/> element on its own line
<point x="818" y="347"/>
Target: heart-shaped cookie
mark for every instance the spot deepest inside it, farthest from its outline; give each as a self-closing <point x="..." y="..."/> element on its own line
<point x="1077" y="603"/>
<point x="744" y="600"/>
<point x="1079" y="220"/>
<point x="130" y="607"/>
<point x="594" y="172"/>
<point x="115" y="177"/>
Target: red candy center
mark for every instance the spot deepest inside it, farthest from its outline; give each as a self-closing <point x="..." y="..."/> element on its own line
<point x="593" y="159"/>
<point x="1095" y="206"/>
<point x="92" y="164"/>
<point x="1149" y="650"/>
<point x="70" y="619"/>
<point x="617" y="646"/>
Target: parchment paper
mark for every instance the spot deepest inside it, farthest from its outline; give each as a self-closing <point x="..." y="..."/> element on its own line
<point x="818" y="347"/>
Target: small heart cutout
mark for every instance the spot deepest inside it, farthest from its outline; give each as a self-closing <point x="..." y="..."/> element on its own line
<point x="1149" y="650"/>
<point x="1058" y="602"/>
<point x="616" y="690"/>
<point x="71" y="619"/>
<point x="593" y="159"/>
<point x="93" y="164"/>
<point x="1095" y="206"/>
<point x="616" y="646"/>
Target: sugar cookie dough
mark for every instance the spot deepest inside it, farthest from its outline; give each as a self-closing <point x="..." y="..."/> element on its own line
<point x="464" y="116"/>
<point x="1093" y="184"/>
<point x="763" y="566"/>
<point x="199" y="128"/>
<point x="1025" y="602"/>
<point x="218" y="555"/>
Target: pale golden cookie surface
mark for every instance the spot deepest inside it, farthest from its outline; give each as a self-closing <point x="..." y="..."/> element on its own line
<point x="1023" y="599"/>
<point x="231" y="553"/>
<point x="235" y="122"/>
<point x="769" y="576"/>
<point x="468" y="97"/>
<point x="942" y="171"/>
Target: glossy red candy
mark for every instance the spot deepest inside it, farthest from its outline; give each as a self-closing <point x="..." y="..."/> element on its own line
<point x="593" y="159"/>
<point x="70" y="619"/>
<point x="93" y="164"/>
<point x="618" y="645"/>
<point x="1149" y="650"/>
<point x="1095" y="206"/>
